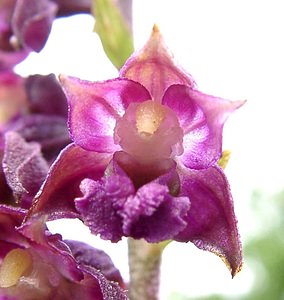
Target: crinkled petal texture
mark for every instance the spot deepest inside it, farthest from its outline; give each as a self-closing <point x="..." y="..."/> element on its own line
<point x="57" y="194"/>
<point x="38" y="265"/>
<point x="95" y="108"/>
<point x="24" y="167"/>
<point x="202" y="118"/>
<point x="32" y="21"/>
<point x="112" y="208"/>
<point x="211" y="221"/>
<point x="154" y="67"/>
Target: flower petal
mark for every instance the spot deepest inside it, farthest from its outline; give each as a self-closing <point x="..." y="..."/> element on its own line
<point x="98" y="259"/>
<point x="202" y="118"/>
<point x="153" y="214"/>
<point x="24" y="167"/>
<point x="45" y="95"/>
<point x="154" y="67"/>
<point x="49" y="131"/>
<point x="100" y="203"/>
<point x="32" y="21"/>
<point x="61" y="186"/>
<point x="211" y="218"/>
<point x="95" y="107"/>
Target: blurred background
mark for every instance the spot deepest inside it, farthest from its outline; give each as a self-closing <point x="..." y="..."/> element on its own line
<point x="235" y="50"/>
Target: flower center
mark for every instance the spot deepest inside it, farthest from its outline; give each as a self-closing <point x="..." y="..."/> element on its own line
<point x="14" y="265"/>
<point x="149" y="131"/>
<point x="149" y="116"/>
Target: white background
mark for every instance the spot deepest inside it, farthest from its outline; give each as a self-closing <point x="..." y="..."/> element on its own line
<point x="233" y="49"/>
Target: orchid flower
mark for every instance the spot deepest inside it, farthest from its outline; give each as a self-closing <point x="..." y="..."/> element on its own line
<point x="33" y="115"/>
<point x="34" y="264"/>
<point x="145" y="153"/>
<point x="24" y="26"/>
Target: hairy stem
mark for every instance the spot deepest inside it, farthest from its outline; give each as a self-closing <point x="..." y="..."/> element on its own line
<point x="144" y="267"/>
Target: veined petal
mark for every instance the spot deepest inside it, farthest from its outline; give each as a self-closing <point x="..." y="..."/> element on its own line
<point x="202" y="118"/>
<point x="211" y="221"/>
<point x="154" y="67"/>
<point x="24" y="167"/>
<point x="94" y="108"/>
<point x="61" y="187"/>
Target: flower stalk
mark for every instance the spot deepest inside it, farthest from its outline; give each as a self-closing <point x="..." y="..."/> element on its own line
<point x="144" y="261"/>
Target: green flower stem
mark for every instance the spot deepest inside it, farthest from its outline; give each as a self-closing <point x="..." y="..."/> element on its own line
<point x="144" y="267"/>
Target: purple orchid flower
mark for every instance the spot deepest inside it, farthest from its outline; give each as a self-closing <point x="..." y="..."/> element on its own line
<point x="33" y="116"/>
<point x="145" y="154"/>
<point x="34" y="264"/>
<point x="24" y="26"/>
<point x="36" y="108"/>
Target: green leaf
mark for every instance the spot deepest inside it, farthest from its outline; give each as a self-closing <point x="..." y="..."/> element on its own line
<point x="113" y="31"/>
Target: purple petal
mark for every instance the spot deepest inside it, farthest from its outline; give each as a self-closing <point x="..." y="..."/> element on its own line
<point x="45" y="95"/>
<point x="50" y="247"/>
<point x="109" y="290"/>
<point x="24" y="167"/>
<point x="154" y="67"/>
<point x="32" y="21"/>
<point x="202" y="118"/>
<point x="61" y="187"/>
<point x="53" y="272"/>
<point x="8" y="59"/>
<point x="10" y="218"/>
<point x="10" y="54"/>
<point x="153" y="214"/>
<point x="211" y="219"/>
<point x="48" y="130"/>
<point x="98" y="259"/>
<point x="95" y="107"/>
<point x="98" y="207"/>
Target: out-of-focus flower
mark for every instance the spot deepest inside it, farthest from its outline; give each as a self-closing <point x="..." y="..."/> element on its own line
<point x="36" y="108"/>
<point x="24" y="26"/>
<point x="34" y="264"/>
<point x="147" y="143"/>
<point x="33" y="114"/>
